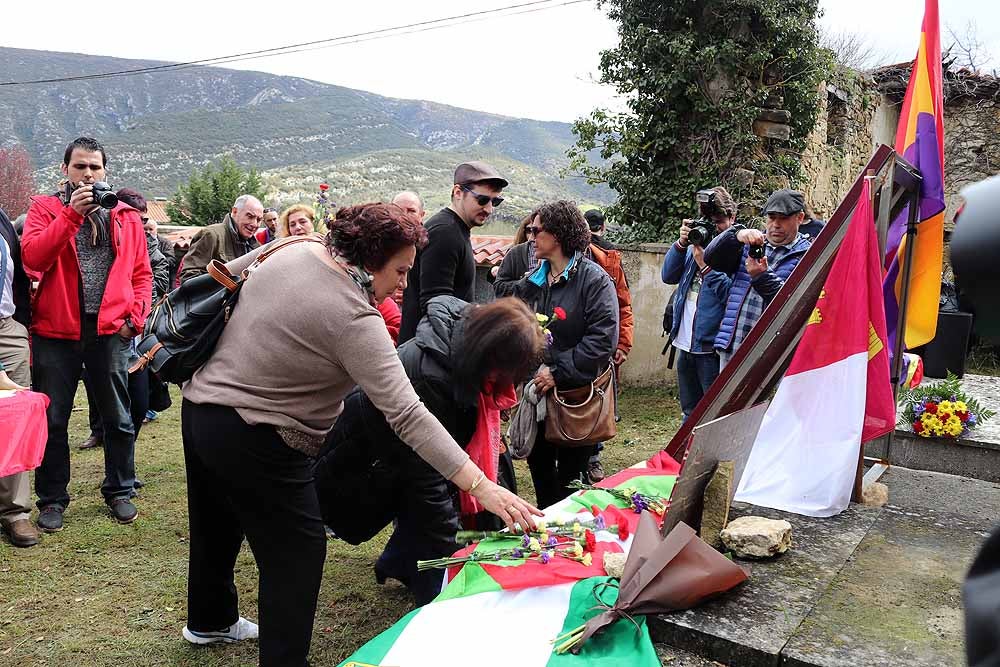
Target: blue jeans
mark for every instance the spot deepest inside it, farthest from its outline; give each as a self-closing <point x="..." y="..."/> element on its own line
<point x="695" y="374"/>
<point x="56" y="369"/>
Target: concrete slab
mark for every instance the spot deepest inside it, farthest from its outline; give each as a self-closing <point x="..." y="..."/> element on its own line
<point x="873" y="586"/>
<point x="750" y="626"/>
<point x="898" y="599"/>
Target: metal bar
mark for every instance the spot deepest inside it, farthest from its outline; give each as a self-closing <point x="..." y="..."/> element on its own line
<point x="883" y="219"/>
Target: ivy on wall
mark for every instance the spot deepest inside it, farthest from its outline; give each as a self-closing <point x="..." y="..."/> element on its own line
<point x="696" y="74"/>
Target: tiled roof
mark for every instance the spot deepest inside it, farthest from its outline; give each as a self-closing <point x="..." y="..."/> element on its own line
<point x="181" y="237"/>
<point x="157" y="212"/>
<point x="490" y="250"/>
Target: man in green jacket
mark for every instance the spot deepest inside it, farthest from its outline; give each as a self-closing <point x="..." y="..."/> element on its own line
<point x="226" y="240"/>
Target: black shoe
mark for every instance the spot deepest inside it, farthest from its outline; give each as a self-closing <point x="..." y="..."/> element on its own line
<point x="139" y="483"/>
<point x="123" y="510"/>
<point x="50" y="518"/>
<point x="381" y="574"/>
<point x="595" y="471"/>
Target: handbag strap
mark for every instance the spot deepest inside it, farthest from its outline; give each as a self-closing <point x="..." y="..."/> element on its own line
<point x="597" y="420"/>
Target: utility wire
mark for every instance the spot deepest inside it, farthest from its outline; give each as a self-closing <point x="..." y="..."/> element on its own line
<point x="381" y="33"/>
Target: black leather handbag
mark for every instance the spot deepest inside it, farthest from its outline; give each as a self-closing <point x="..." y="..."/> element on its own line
<point x="182" y="330"/>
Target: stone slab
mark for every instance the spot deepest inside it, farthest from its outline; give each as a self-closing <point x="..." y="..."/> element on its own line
<point x="750" y="625"/>
<point x="967" y="458"/>
<point x="898" y="599"/>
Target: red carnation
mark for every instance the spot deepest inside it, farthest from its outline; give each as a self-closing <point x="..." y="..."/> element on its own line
<point x="590" y="542"/>
<point x="918" y="426"/>
<point x="324" y="187"/>
<point x="594" y="510"/>
<point x="931" y="407"/>
<point x="622" y="529"/>
<point x="559" y="313"/>
<point x="963" y="415"/>
<point x="944" y="416"/>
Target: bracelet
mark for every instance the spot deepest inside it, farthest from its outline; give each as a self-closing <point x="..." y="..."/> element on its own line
<point x="479" y="479"/>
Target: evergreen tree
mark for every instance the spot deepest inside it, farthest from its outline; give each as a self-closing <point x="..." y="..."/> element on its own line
<point x="210" y="192"/>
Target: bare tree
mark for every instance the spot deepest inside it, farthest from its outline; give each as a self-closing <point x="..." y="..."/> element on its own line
<point x="967" y="49"/>
<point x="17" y="183"/>
<point x="853" y="50"/>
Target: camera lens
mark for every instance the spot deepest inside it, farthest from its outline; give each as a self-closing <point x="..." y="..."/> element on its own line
<point x="756" y="251"/>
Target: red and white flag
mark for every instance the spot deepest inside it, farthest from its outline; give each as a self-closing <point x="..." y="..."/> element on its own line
<point x="835" y="394"/>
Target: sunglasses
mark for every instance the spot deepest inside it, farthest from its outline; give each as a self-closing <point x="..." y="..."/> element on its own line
<point x="482" y="199"/>
<point x="532" y="231"/>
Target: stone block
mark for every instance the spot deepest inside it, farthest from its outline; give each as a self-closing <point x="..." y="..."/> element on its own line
<point x="715" y="505"/>
<point x="768" y="130"/>
<point x="757" y="537"/>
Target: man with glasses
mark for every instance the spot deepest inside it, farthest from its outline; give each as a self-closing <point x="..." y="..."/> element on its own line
<point x="226" y="240"/>
<point x="446" y="265"/>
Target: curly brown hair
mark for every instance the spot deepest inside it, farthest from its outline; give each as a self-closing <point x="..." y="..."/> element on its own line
<point x="502" y="338"/>
<point x="564" y="221"/>
<point x="367" y="235"/>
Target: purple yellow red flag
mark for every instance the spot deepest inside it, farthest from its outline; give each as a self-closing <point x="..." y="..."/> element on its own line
<point x="920" y="140"/>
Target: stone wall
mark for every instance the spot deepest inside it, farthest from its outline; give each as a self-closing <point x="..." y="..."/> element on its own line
<point x="971" y="147"/>
<point x="646" y="367"/>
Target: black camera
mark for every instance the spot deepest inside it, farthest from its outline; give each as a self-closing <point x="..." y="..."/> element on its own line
<point x="702" y="232"/>
<point x="756" y="251"/>
<point x="703" y="229"/>
<point x="103" y="195"/>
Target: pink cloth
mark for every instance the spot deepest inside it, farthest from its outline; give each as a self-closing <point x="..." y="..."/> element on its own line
<point x="23" y="432"/>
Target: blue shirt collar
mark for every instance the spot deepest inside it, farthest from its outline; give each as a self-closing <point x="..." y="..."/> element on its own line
<point x="539" y="276"/>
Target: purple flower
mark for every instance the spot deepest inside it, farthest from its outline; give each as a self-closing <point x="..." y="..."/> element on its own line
<point x="517" y="553"/>
<point x="599" y="523"/>
<point x="918" y="409"/>
<point x="496" y="556"/>
<point x="548" y="338"/>
<point x="546" y="557"/>
<point x="525" y="541"/>
<point x="972" y="419"/>
<point x="552" y="541"/>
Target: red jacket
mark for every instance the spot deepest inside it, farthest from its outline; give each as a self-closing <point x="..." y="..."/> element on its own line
<point x="392" y="316"/>
<point x="48" y="250"/>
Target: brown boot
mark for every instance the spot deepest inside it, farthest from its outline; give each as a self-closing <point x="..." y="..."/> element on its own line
<point x="91" y="442"/>
<point x="21" y="533"/>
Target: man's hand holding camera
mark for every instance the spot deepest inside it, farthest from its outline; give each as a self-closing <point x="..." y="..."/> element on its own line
<point x="696" y="250"/>
<point x="82" y="199"/>
<point x="753" y="237"/>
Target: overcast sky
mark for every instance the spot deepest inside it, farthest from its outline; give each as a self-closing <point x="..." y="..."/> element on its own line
<point x="538" y="65"/>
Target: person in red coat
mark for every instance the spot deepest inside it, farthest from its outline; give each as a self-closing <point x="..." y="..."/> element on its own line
<point x="93" y="297"/>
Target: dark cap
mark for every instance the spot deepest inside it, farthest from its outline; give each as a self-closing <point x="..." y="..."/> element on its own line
<point x="784" y="202"/>
<point x="595" y="219"/>
<point x="475" y="172"/>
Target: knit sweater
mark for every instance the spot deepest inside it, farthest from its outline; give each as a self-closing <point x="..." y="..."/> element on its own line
<point x="323" y="339"/>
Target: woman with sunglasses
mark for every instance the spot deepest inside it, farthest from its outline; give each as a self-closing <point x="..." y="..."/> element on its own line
<point x="583" y="342"/>
<point x="519" y="260"/>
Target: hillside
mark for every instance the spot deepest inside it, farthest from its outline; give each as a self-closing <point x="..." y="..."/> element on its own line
<point x="159" y="127"/>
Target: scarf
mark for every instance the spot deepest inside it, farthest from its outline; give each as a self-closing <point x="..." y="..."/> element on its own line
<point x="361" y="278"/>
<point x="484" y="448"/>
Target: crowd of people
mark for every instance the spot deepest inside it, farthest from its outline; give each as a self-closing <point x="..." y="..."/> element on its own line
<point x="381" y="372"/>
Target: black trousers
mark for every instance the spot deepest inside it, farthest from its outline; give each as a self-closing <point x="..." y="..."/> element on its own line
<point x="553" y="467"/>
<point x="244" y="480"/>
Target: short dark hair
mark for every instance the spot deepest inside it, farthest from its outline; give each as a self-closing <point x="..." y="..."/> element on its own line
<point x="87" y="144"/>
<point x="502" y="339"/>
<point x="367" y="235"/>
<point x="133" y="198"/>
<point x="595" y="219"/>
<point x="564" y="221"/>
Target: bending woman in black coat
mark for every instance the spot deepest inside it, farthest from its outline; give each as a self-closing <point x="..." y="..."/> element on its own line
<point x="366" y="478"/>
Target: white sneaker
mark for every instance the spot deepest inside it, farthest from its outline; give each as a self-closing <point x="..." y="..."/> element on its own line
<point x="238" y="631"/>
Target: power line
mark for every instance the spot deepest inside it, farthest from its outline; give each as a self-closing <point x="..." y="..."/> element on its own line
<point x="381" y="33"/>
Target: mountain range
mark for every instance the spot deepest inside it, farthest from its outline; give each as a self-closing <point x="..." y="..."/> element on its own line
<point x="160" y="126"/>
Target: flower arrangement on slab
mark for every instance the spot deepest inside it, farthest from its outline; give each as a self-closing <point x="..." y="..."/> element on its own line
<point x="941" y="410"/>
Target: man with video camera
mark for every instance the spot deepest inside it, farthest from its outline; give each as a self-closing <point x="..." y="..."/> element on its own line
<point x="89" y="252"/>
<point x="760" y="262"/>
<point x="700" y="297"/>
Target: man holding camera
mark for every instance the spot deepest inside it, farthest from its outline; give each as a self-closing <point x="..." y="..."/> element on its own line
<point x="760" y="263"/>
<point x="700" y="297"/>
<point x="89" y="252"/>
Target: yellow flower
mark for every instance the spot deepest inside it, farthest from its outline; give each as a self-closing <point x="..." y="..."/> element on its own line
<point x="577" y="550"/>
<point x="577" y="528"/>
<point x="533" y="545"/>
<point x="946" y="406"/>
<point x="544" y="537"/>
<point x="587" y="560"/>
<point x="541" y="526"/>
<point x="542" y="319"/>
<point x="960" y="406"/>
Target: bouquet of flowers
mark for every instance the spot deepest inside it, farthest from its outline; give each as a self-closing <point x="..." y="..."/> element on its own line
<point x="542" y="545"/>
<point x="941" y="410"/>
<point x="637" y="501"/>
<point x="326" y="209"/>
<point x="545" y="321"/>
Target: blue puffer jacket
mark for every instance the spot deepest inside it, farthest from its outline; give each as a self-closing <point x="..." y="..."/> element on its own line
<point x="679" y="268"/>
<point x="727" y="253"/>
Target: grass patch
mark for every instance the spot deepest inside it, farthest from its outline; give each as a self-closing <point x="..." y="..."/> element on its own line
<point x="984" y="359"/>
<point x="101" y="594"/>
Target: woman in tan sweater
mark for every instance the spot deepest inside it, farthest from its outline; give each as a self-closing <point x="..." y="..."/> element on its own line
<point x="253" y="416"/>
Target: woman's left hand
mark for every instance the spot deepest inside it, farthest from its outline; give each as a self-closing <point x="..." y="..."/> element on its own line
<point x="543" y="380"/>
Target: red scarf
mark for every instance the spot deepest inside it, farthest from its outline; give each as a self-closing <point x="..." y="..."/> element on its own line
<point x="484" y="448"/>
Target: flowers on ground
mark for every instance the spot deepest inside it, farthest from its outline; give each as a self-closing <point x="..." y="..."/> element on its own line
<point x="637" y="501"/>
<point x="941" y="410"/>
